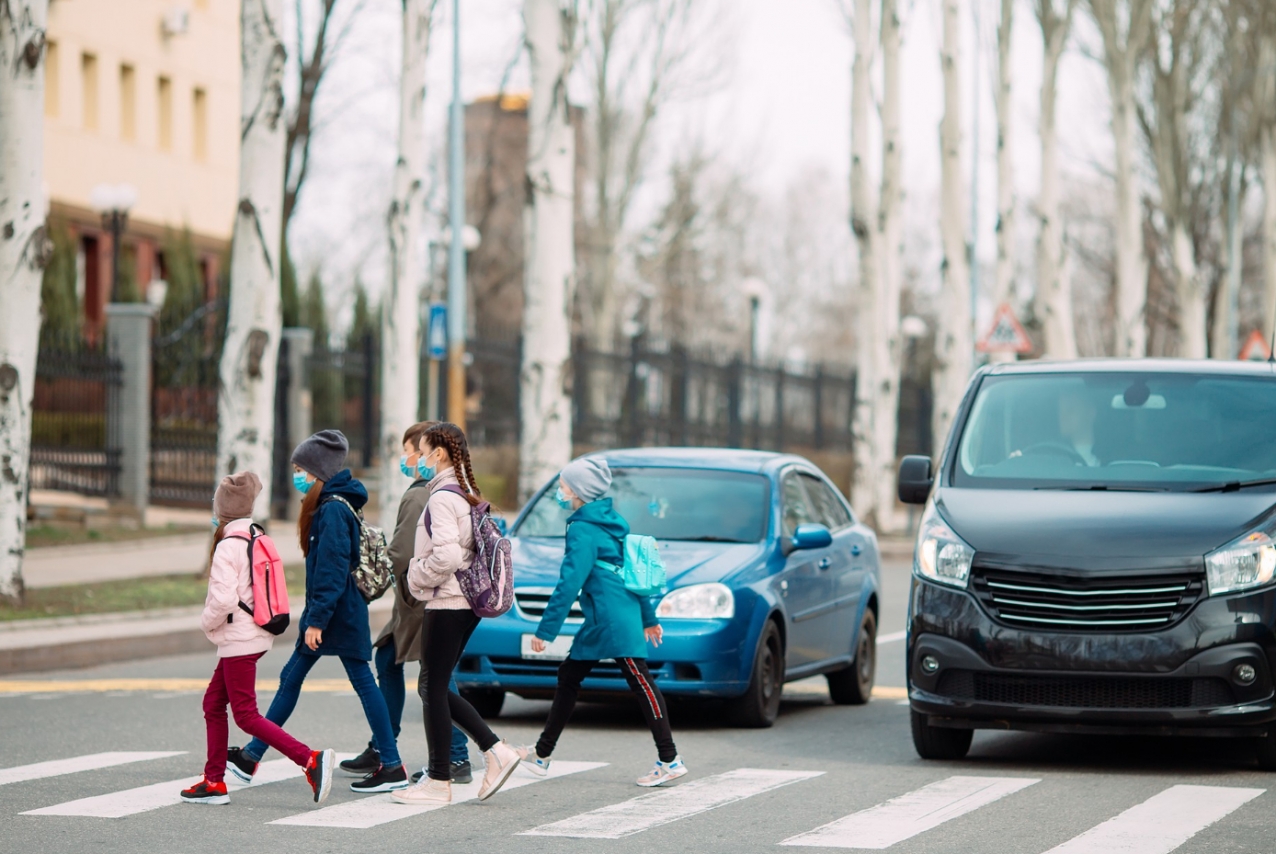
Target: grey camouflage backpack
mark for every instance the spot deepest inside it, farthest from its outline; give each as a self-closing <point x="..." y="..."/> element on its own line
<point x="373" y="572"/>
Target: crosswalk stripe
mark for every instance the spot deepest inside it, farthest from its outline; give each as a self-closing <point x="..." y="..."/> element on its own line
<point x="1161" y="823"/>
<point x="157" y="795"/>
<point x="688" y="799"/>
<point x="381" y="809"/>
<point x="76" y="764"/>
<point x="908" y="815"/>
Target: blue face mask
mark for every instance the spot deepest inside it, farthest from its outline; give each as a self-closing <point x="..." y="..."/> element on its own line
<point x="408" y="471"/>
<point x="299" y="481"/>
<point x="425" y="472"/>
<point x="216" y="522"/>
<point x="563" y="501"/>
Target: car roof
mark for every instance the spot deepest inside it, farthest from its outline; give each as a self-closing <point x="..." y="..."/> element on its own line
<point x="1148" y="366"/>
<point x="727" y="459"/>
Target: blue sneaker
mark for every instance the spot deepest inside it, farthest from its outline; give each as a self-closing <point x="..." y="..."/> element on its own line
<point x="663" y="773"/>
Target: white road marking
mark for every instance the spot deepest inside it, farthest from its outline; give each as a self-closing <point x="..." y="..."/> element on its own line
<point x="893" y="637"/>
<point x="381" y="809"/>
<point x="1161" y="823"/>
<point x="684" y="800"/>
<point x="908" y="815"/>
<point x="157" y="795"/>
<point x="76" y="764"/>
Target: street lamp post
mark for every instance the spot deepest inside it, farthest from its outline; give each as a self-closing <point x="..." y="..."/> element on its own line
<point x="113" y="203"/>
<point x="456" y="290"/>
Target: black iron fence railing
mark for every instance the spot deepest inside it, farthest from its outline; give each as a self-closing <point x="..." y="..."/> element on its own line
<point x="74" y="419"/>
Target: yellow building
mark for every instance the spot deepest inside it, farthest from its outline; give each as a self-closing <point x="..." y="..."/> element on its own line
<point x="143" y="93"/>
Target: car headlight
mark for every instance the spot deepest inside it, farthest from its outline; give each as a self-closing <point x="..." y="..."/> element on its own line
<point x="698" y="602"/>
<point x="1243" y="563"/>
<point x="942" y="556"/>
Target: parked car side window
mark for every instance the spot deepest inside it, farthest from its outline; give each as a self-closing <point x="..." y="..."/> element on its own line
<point x="828" y="507"/>
<point x="796" y="509"/>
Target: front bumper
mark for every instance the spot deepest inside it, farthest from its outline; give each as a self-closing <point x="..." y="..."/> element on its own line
<point x="1177" y="680"/>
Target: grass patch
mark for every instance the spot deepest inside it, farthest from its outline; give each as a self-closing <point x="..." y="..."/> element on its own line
<point x="60" y="535"/>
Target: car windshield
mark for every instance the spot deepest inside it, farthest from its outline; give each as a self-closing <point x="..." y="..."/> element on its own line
<point x="672" y="504"/>
<point x="1119" y="431"/>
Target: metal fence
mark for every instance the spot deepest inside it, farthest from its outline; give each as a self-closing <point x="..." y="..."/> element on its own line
<point x="344" y="390"/>
<point x="185" y="366"/>
<point x="74" y="419"/>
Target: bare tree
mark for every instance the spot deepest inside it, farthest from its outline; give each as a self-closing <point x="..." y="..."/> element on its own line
<point x="1005" y="277"/>
<point x="545" y="443"/>
<point x="1126" y="27"/>
<point x="24" y="251"/>
<point x="1054" y="287"/>
<point x="245" y="407"/>
<point x="1265" y="100"/>
<point x="401" y="307"/>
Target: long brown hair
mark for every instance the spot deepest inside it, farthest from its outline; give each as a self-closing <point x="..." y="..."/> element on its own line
<point x="451" y="438"/>
<point x="218" y="536"/>
<point x="309" y="504"/>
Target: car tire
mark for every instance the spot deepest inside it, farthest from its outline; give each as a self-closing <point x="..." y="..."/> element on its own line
<point x="760" y="705"/>
<point x="853" y="685"/>
<point x="486" y="701"/>
<point x="932" y="742"/>
<point x="1265" y="750"/>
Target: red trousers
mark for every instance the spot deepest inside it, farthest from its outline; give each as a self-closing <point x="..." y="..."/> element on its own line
<point x="235" y="683"/>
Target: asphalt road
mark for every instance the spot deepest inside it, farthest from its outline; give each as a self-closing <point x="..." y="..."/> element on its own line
<point x="749" y="790"/>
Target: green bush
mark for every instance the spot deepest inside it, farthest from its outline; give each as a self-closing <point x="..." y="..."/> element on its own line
<point x="68" y="429"/>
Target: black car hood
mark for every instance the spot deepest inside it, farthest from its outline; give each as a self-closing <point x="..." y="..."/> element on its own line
<point x="1101" y="525"/>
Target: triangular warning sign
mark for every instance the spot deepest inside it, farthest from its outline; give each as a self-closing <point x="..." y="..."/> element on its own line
<point x="1255" y="348"/>
<point x="1006" y="334"/>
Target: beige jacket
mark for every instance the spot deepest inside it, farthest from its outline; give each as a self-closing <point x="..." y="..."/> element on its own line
<point x="439" y="554"/>
<point x="230" y="581"/>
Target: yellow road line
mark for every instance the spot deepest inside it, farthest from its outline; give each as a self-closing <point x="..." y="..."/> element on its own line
<point x="81" y="686"/>
<point x="883" y="692"/>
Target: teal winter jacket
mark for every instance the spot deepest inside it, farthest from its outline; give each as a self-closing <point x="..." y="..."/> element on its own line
<point x="614" y="617"/>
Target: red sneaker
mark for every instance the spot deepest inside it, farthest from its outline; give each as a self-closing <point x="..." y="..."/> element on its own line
<point x="319" y="773"/>
<point x="205" y="792"/>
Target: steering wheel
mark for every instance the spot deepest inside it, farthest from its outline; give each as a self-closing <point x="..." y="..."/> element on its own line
<point x="1055" y="449"/>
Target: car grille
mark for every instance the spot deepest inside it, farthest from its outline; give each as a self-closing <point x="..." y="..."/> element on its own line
<point x="1102" y="603"/>
<point x="531" y="602"/>
<point x="1086" y="692"/>
<point x="505" y="666"/>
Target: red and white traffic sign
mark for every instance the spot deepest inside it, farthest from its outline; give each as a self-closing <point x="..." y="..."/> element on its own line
<point x="1006" y="334"/>
<point x="1255" y="348"/>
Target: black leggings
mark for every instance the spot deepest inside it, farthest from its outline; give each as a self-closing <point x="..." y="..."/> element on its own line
<point x="650" y="700"/>
<point x="443" y="638"/>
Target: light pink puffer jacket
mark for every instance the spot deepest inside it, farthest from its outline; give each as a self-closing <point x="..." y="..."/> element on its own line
<point x="440" y="553"/>
<point x="230" y="581"/>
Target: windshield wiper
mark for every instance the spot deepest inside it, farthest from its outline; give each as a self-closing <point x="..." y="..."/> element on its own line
<point x="708" y="538"/>
<point x="1237" y="485"/>
<point x="1103" y="487"/>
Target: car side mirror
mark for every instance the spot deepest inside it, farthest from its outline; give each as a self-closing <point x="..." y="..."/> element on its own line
<point x="915" y="479"/>
<point x="808" y="536"/>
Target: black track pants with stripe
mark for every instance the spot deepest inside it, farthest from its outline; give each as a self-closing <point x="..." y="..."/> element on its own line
<point x="650" y="700"/>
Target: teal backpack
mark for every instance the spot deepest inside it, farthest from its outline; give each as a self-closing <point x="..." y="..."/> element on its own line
<point x="643" y="572"/>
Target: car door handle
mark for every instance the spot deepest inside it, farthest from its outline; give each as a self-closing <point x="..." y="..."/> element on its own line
<point x="825" y="563"/>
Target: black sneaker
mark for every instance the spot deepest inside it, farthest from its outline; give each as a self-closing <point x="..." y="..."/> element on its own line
<point x="461" y="773"/>
<point x="240" y="765"/>
<point x="364" y="764"/>
<point x="319" y="774"/>
<point x="385" y="780"/>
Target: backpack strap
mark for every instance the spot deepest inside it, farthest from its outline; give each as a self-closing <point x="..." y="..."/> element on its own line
<point x="254" y="531"/>
<point x="447" y="487"/>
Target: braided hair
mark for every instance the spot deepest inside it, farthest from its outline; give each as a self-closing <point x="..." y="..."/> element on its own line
<point x="451" y="438"/>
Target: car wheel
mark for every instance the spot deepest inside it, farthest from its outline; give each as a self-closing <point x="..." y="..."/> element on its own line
<point x="1265" y="750"/>
<point x="932" y="742"/>
<point x="760" y="705"/>
<point x="486" y="701"/>
<point x="852" y="686"/>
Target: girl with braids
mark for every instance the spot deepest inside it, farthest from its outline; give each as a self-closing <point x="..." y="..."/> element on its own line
<point x="444" y="544"/>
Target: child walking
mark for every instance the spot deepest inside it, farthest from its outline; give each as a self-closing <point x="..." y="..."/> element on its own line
<point x="240" y="644"/>
<point x="335" y="619"/>
<point x="445" y="544"/>
<point x="617" y="624"/>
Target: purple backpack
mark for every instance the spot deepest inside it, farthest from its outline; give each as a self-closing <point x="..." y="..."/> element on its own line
<point x="488" y="582"/>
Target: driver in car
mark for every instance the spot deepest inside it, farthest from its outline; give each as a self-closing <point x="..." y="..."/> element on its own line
<point x="1077" y="414"/>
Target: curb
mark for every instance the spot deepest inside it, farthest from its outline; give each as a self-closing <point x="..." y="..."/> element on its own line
<point x="93" y="652"/>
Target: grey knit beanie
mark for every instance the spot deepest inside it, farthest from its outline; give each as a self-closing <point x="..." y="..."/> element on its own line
<point x="323" y="454"/>
<point x="235" y="496"/>
<point x="589" y="478"/>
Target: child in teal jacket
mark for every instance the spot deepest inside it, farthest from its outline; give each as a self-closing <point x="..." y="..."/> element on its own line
<point x="618" y="624"/>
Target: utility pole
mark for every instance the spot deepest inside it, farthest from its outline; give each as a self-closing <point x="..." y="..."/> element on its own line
<point x="456" y="287"/>
<point x="974" y="197"/>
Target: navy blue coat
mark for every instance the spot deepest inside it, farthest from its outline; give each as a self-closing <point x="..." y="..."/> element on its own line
<point x="333" y="601"/>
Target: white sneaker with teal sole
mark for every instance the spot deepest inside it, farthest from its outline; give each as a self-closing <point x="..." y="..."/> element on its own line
<point x="532" y="762"/>
<point x="663" y="773"/>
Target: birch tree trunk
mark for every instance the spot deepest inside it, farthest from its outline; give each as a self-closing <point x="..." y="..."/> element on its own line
<point x="953" y="342"/>
<point x="1054" y="290"/>
<point x="245" y="406"/>
<point x="1005" y="284"/>
<point x="545" y="445"/>
<point x="401" y="308"/>
<point x="24" y="250"/>
<point x="1267" y="142"/>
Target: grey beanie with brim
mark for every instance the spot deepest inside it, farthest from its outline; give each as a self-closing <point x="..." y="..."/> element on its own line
<point x="323" y="454"/>
<point x="589" y="478"/>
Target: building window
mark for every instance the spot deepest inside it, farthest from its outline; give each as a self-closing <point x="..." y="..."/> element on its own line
<point x="165" y="114"/>
<point x="128" y="103"/>
<point x="52" y="87"/>
<point x="88" y="81"/>
<point x="200" y="114"/>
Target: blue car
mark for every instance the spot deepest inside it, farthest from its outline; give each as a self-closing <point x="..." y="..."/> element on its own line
<point x="771" y="579"/>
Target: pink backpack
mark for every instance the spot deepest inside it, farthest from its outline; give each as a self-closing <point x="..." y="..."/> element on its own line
<point x="270" y="587"/>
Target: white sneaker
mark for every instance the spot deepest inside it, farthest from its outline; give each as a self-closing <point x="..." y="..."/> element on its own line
<point x="499" y="763"/>
<point x="533" y="762"/>
<point x="663" y="773"/>
<point x="425" y="793"/>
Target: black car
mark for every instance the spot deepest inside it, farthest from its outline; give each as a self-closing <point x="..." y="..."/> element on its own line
<point x="1097" y="555"/>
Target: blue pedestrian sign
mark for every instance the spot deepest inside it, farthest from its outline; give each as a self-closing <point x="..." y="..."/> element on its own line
<point x="436" y="334"/>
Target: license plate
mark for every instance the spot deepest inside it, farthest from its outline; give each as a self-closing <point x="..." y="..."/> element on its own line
<point x="555" y="651"/>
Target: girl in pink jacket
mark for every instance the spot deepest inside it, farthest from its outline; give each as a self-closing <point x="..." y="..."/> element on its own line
<point x="240" y="643"/>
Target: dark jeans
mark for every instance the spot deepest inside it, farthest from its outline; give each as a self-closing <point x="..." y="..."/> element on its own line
<point x="572" y="672"/>
<point x="235" y="683"/>
<point x="390" y="678"/>
<point x="360" y="675"/>
<point x="443" y="638"/>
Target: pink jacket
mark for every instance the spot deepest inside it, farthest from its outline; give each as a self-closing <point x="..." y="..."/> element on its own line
<point x="437" y="557"/>
<point x="230" y="581"/>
